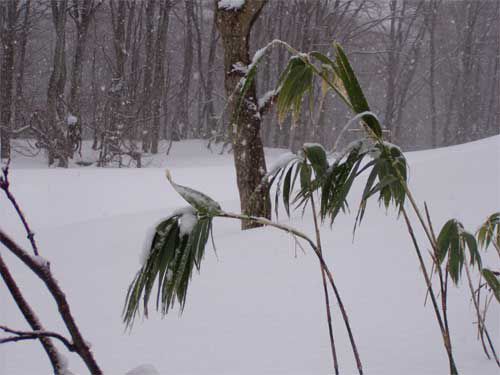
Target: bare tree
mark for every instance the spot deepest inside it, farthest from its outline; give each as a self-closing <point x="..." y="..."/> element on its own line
<point x="180" y="122"/>
<point x="19" y="117"/>
<point x="82" y="12"/>
<point x="9" y="14"/>
<point x="159" y="71"/>
<point x="55" y="114"/>
<point x="148" y="74"/>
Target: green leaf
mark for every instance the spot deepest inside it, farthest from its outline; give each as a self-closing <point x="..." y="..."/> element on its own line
<point x="316" y="155"/>
<point x="286" y="190"/>
<point x="446" y="235"/>
<point x="305" y="176"/>
<point x="489" y="231"/>
<point x="353" y="89"/>
<point x="322" y="58"/>
<point x="452" y="242"/>
<point x="470" y="241"/>
<point x="492" y="281"/>
<point x="337" y="183"/>
<point x="170" y="262"/>
<point x="199" y="201"/>
<point x="366" y="193"/>
<point x="295" y="82"/>
<point x="392" y="165"/>
<point x="455" y="259"/>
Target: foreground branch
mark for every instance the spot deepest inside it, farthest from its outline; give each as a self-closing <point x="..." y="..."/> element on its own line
<point x="34" y="335"/>
<point x="30" y="316"/>
<point x="4" y="185"/>
<point x="44" y="273"/>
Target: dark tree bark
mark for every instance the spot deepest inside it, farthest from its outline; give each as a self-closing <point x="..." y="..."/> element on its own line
<point x="30" y="316"/>
<point x="21" y="56"/>
<point x="234" y="27"/>
<point x="122" y="20"/>
<point x="180" y="122"/>
<point x="44" y="273"/>
<point x="57" y="83"/>
<point x="159" y="72"/>
<point x="10" y="14"/>
<point x="82" y="12"/>
<point x="148" y="75"/>
<point x="431" y="21"/>
<point x="211" y="121"/>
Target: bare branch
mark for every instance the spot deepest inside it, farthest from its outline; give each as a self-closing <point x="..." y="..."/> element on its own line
<point x="44" y="273"/>
<point x="34" y="335"/>
<point x="4" y="185"/>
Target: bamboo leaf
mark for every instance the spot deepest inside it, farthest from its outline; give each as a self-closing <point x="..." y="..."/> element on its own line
<point x="286" y="190"/>
<point x="448" y="231"/>
<point x="489" y="231"/>
<point x="199" y="201"/>
<point x="492" y="281"/>
<point x="294" y="83"/>
<point x="175" y="250"/>
<point x="470" y="241"/>
<point x="316" y="155"/>
<point x="353" y="89"/>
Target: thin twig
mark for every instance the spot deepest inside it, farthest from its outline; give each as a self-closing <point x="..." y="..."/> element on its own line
<point x="443" y="283"/>
<point x="34" y="335"/>
<point x="295" y="232"/>
<point x="44" y="273"/>
<point x="30" y="316"/>
<point x="4" y="185"/>
<point x="446" y="340"/>
<point x="325" y="289"/>
<point x="481" y="323"/>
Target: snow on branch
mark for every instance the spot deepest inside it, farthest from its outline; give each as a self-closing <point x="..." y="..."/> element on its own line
<point x="231" y="4"/>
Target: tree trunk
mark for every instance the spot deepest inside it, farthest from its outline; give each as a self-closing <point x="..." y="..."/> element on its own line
<point x="234" y="27"/>
<point x="432" y="14"/>
<point x="148" y="75"/>
<point x="180" y="123"/>
<point x="82" y="13"/>
<point x="159" y="72"/>
<point x="211" y="121"/>
<point x="57" y="82"/>
<point x="6" y="76"/>
<point x="18" y="103"/>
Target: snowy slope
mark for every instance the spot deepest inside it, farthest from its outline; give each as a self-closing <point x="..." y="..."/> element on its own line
<point x="257" y="308"/>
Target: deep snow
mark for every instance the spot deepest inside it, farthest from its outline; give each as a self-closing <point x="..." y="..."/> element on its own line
<point x="257" y="308"/>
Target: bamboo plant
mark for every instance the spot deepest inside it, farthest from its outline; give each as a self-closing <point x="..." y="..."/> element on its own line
<point x="299" y="178"/>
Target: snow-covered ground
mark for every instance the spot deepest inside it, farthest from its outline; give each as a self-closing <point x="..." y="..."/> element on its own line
<point x="258" y="307"/>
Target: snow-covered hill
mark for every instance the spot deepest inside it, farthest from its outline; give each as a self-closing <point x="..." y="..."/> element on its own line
<point x="257" y="307"/>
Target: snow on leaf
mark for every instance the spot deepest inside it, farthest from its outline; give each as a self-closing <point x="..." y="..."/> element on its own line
<point x="230" y="4"/>
<point x="200" y="202"/>
<point x="240" y="67"/>
<point x="188" y="220"/>
<point x="145" y="369"/>
<point x="281" y="162"/>
<point x="264" y="99"/>
<point x="71" y="120"/>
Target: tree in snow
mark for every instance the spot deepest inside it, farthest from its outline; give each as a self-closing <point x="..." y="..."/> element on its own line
<point x="234" y="21"/>
<point x="82" y="13"/>
<point x="9" y="11"/>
